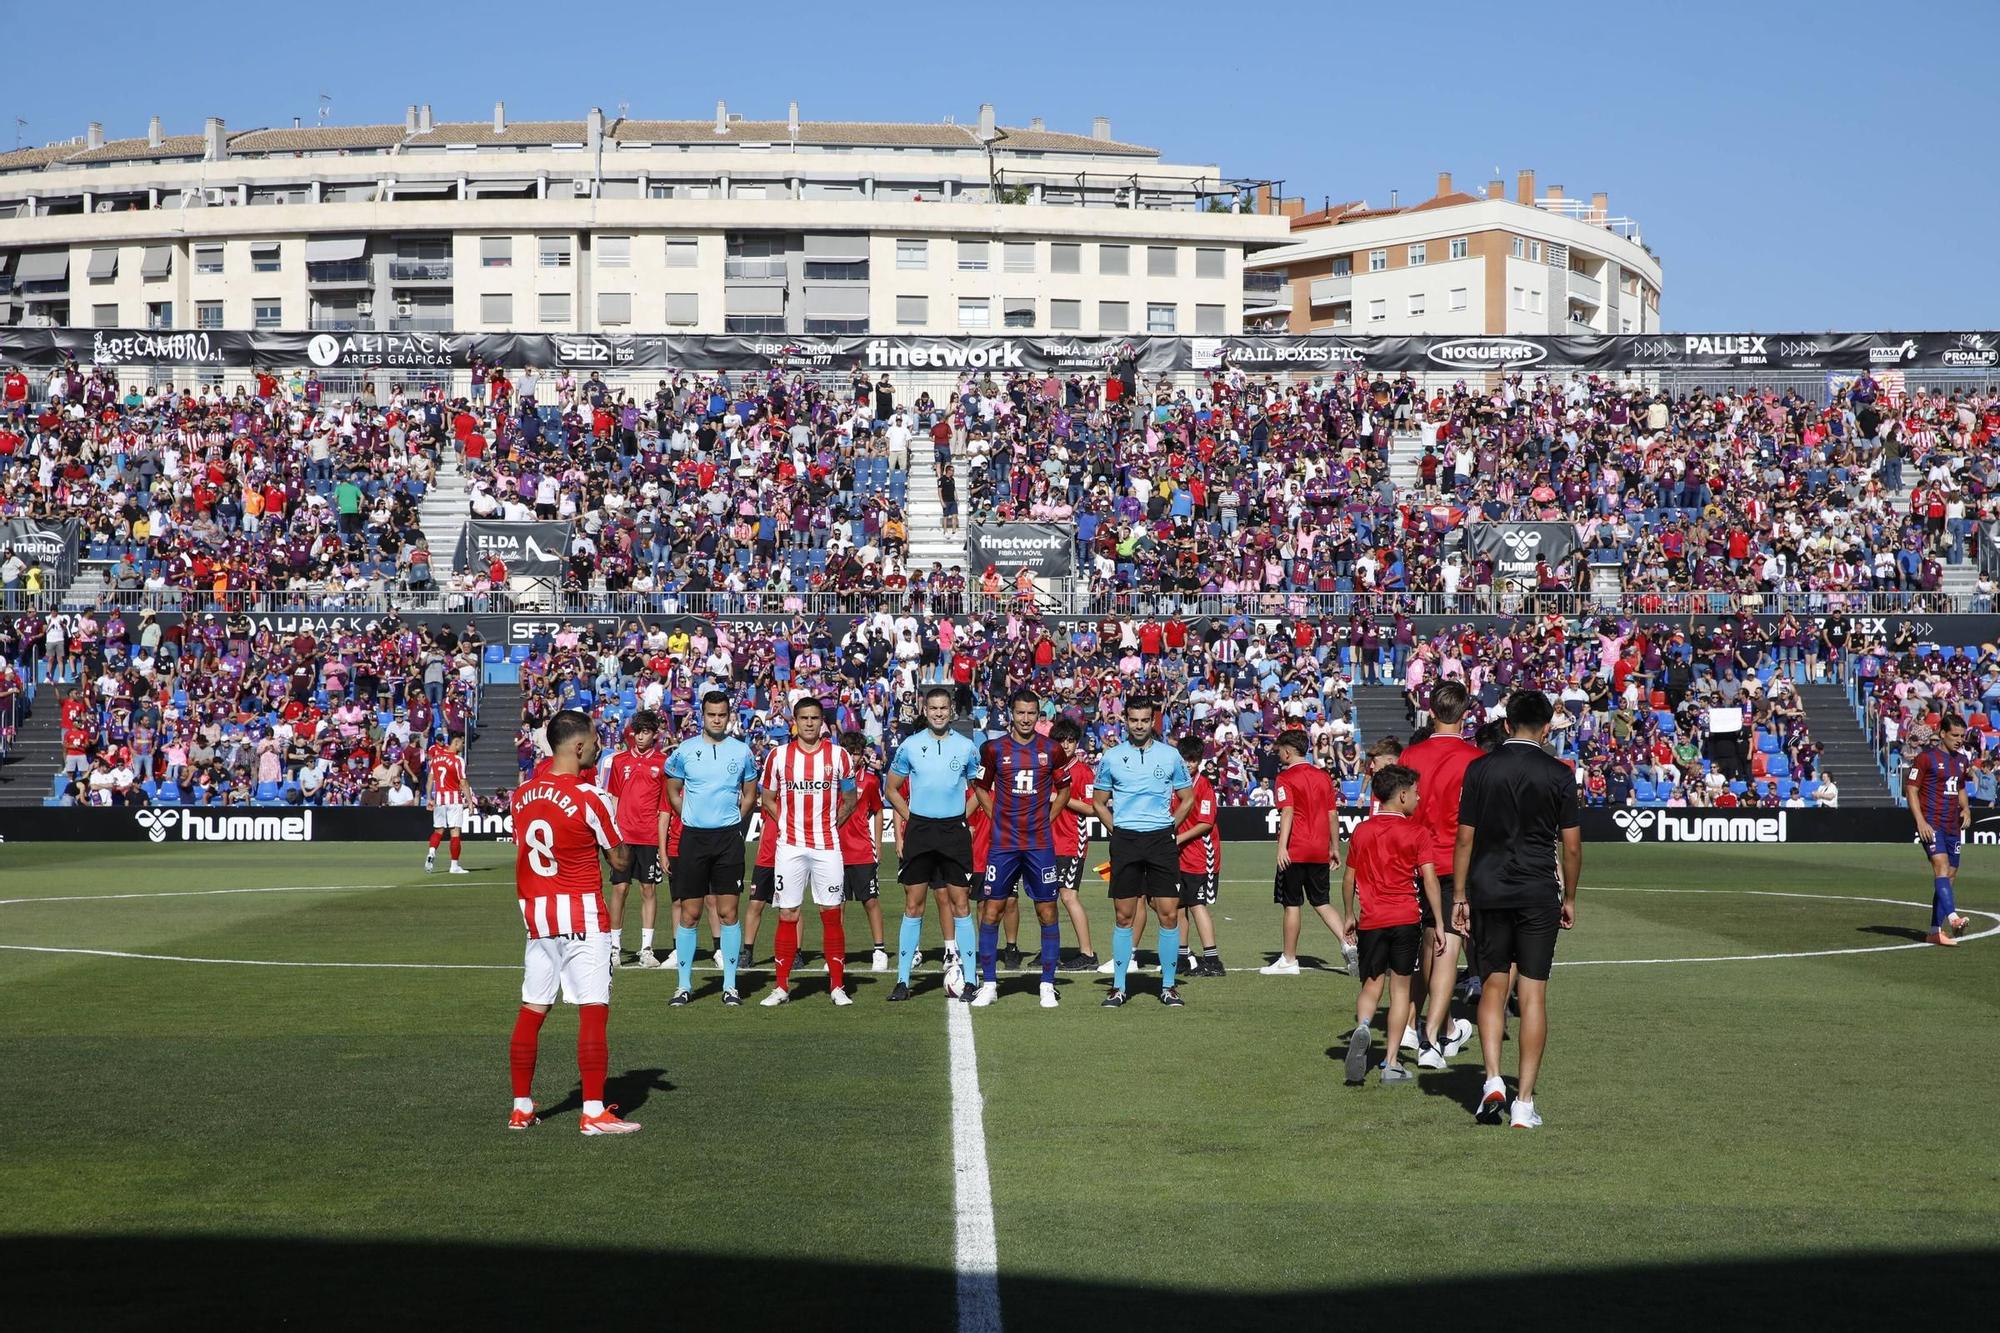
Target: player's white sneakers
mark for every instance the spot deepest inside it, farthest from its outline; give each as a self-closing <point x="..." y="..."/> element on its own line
<point x="840" y="996"/>
<point x="715" y="958"/>
<point x="430" y="862"/>
<point x="1524" y="1116"/>
<point x="1410" y="1042"/>
<point x="458" y="869"/>
<point x="878" y="961"/>
<point x="1458" y="1036"/>
<point x="988" y="993"/>
<point x="1351" y="955"/>
<point x="1108" y="967"/>
<point x="1284" y="967"/>
<point x="1049" y="1000"/>
<point x="776" y="998"/>
<point x="954" y="978"/>
<point x="673" y="958"/>
<point x="648" y="959"/>
<point x="1430" y="1057"/>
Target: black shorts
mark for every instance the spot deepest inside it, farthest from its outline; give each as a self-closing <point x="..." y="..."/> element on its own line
<point x="645" y="865"/>
<point x="710" y="862"/>
<point x="1198" y="887"/>
<point x="1424" y="904"/>
<point x="1303" y="882"/>
<point x="763" y="884"/>
<point x="937" y="853"/>
<point x="1069" y="871"/>
<point x="858" y="884"/>
<point x="1390" y="949"/>
<point x="1145" y="865"/>
<point x="1522" y="937"/>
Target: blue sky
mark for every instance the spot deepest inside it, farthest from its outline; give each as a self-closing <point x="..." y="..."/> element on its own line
<point x="1796" y="166"/>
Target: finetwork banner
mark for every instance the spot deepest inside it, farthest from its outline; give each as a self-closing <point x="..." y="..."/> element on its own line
<point x="529" y="550"/>
<point x="278" y="349"/>
<point x="1048" y="550"/>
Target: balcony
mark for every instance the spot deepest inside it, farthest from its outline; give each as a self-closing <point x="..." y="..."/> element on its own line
<point x="753" y="268"/>
<point x="1325" y="291"/>
<point x="339" y="324"/>
<point x="421" y="324"/>
<point x="1582" y="288"/>
<point x="420" y="270"/>
<point x="338" y="271"/>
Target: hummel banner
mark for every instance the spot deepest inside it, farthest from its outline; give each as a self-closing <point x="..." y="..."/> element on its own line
<point x="1516" y="548"/>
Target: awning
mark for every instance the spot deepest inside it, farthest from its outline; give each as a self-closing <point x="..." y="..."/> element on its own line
<point x="43" y="266"/>
<point x="836" y="249"/>
<point x="425" y="189"/>
<point x="263" y="247"/>
<point x="754" y="300"/>
<point x="846" y="301"/>
<point x="332" y="249"/>
<point x="103" y="264"/>
<point x="159" y="261"/>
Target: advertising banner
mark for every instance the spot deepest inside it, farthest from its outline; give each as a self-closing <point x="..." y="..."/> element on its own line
<point x="1048" y="550"/>
<point x="51" y="545"/>
<point x="1515" y="548"/>
<point x="530" y="550"/>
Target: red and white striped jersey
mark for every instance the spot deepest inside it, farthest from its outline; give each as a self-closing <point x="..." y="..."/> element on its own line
<point x="561" y="822"/>
<point x="445" y="776"/>
<point x="808" y="784"/>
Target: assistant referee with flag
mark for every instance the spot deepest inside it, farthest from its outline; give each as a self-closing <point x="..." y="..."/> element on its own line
<point x="1516" y="864"/>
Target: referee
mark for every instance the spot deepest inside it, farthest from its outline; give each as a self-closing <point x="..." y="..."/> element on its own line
<point x="1143" y="792"/>
<point x="927" y="784"/>
<point x="711" y="780"/>
<point x="1518" y="857"/>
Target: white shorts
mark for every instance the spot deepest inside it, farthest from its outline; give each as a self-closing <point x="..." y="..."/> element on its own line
<point x="580" y="968"/>
<point x="800" y="868"/>
<point x="448" y="817"/>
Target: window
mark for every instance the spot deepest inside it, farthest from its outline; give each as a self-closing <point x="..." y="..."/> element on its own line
<point x="753" y="323"/>
<point x="496" y="308"/>
<point x="1208" y="319"/>
<point x="208" y="259"/>
<point x="160" y="314"/>
<point x="104" y="316"/>
<point x="614" y="307"/>
<point x="267" y="313"/>
<point x="972" y="256"/>
<point x="264" y="257"/>
<point x="208" y="314"/>
<point x="555" y="251"/>
<point x="552" y="307"/>
<point x="1018" y="312"/>
<point x="1378" y="260"/>
<point x="1624" y="326"/>
<point x="1419" y="254"/>
<point x="1114" y="260"/>
<point x="1534" y="303"/>
<point x="1534" y="252"/>
<point x="1343" y="266"/>
<point x="683" y="308"/>
<point x="1416" y="303"/>
<point x="1019" y="257"/>
<point x="1114" y="317"/>
<point x="1520" y="247"/>
<point x="496" y="252"/>
<point x="1377" y="311"/>
<point x="913" y="254"/>
<point x="1066" y="315"/>
<point x="682" y="252"/>
<point x="1160" y="317"/>
<point x="1208" y="262"/>
<point x="1520" y="298"/>
<point x="1461" y="247"/>
<point x="974" y="312"/>
<point x="1065" y="257"/>
<point x="1343" y="314"/>
<point x="1456" y="299"/>
<point x="750" y="191"/>
<point x="614" y="252"/>
<point x="1162" y="261"/>
<point x="913" y="311"/>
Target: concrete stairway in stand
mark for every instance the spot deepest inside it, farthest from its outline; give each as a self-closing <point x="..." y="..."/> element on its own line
<point x="929" y="541"/>
<point x="1845" y="754"/>
<point x="1378" y="712"/>
<point x="447" y="505"/>
<point x="490" y="763"/>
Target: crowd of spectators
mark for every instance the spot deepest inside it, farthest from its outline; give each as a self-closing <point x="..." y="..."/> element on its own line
<point x="1902" y="688"/>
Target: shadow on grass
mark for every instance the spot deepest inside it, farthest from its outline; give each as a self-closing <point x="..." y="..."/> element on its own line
<point x="627" y="1091"/>
<point x="234" y="1281"/>
<point x="1894" y="932"/>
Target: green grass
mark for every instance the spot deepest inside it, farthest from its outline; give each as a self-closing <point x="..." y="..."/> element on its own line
<point x="182" y="1143"/>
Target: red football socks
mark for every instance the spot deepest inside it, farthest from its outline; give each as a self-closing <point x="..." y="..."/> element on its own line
<point x="521" y="1050"/>
<point x="593" y="1055"/>
<point x="437" y="838"/>
<point x="833" y="935"/>
<point x="786" y="951"/>
<point x="454" y="846"/>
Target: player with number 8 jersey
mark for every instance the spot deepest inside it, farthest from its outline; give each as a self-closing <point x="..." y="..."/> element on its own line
<point x="561" y="822"/>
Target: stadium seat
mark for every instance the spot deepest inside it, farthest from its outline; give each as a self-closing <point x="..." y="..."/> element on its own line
<point x="1768" y="742"/>
<point x="496" y="652"/>
<point x="1785" y="788"/>
<point x="1350" y="791"/>
<point x="1780" y="766"/>
<point x="170" y="792"/>
<point x="266" y="793"/>
<point x="1809" y="788"/>
<point x="58" y="783"/>
<point x="1739" y="787"/>
<point x="1643" y="790"/>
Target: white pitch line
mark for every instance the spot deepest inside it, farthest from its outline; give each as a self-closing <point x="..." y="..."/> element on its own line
<point x="201" y="893"/>
<point x="266" y="962"/>
<point x="977" y="1257"/>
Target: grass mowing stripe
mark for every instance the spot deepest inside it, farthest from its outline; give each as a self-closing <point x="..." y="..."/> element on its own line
<point x="977" y="1255"/>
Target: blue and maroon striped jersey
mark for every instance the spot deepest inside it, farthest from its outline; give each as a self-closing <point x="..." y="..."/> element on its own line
<point x="1023" y="780"/>
<point x="1940" y="777"/>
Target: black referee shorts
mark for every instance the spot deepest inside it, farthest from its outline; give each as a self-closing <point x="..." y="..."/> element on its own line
<point x="1520" y="937"/>
<point x="937" y="853"/>
<point x="710" y="863"/>
<point x="1145" y="865"/>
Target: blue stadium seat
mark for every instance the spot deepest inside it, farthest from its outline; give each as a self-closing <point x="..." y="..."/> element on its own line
<point x="266" y="793"/>
<point x="57" y="783"/>
<point x="1779" y="766"/>
<point x="1350" y="791"/>
<point x="1809" y="788"/>
<point x="1739" y="787"/>
<point x="1785" y="788"/>
<point x="170" y="792"/>
<point x="1643" y="790"/>
<point x="1768" y="742"/>
<point x="518" y="654"/>
<point x="496" y="652"/>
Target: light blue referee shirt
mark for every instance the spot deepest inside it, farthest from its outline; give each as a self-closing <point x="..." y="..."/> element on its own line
<point x="937" y="770"/>
<point x="712" y="774"/>
<point x="1141" y="784"/>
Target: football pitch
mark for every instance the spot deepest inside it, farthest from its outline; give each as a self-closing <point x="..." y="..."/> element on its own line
<point x="257" y="1086"/>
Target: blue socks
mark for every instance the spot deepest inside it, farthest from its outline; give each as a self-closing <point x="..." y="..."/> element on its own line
<point x="989" y="947"/>
<point x="1051" y="946"/>
<point x="1121" y="955"/>
<point x="906" y="946"/>
<point x="732" y="949"/>
<point x="686" y="940"/>
<point x="967" y="933"/>
<point x="1942" y="904"/>
<point x="1170" y="955"/>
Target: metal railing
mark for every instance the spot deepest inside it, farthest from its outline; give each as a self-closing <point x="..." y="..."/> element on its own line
<point x="341" y="270"/>
<point x="753" y="268"/>
<point x="423" y="324"/>
<point x="323" y="325"/>
<point x="420" y="270"/>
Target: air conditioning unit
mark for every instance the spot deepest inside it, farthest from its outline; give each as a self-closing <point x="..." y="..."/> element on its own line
<point x="581" y="189"/>
<point x="103" y="206"/>
<point x="216" y="196"/>
<point x="364" y="308"/>
<point x="404" y="310"/>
